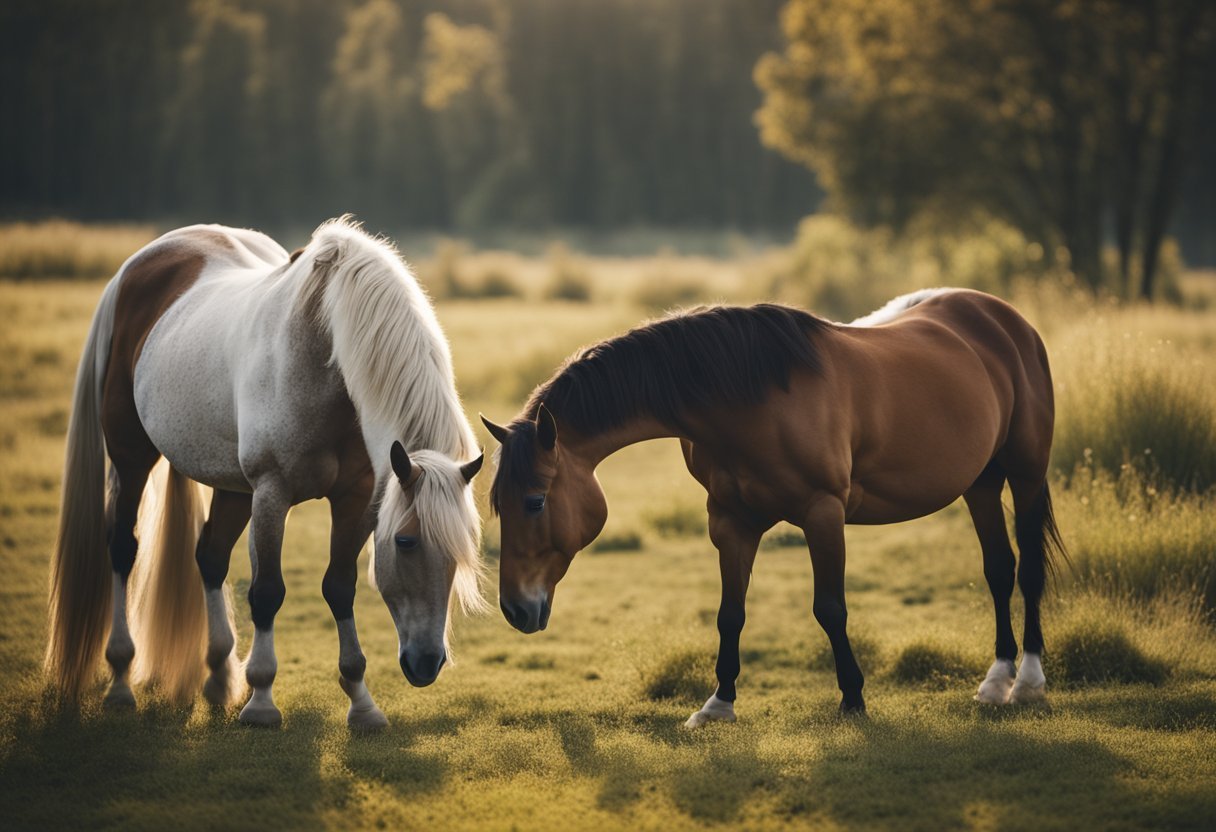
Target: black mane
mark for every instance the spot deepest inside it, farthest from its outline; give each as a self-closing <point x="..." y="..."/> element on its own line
<point x="691" y="360"/>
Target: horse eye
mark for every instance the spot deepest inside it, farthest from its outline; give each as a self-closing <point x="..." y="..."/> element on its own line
<point x="534" y="503"/>
<point x="406" y="541"/>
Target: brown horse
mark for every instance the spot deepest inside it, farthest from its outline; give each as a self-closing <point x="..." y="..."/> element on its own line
<point x="785" y="416"/>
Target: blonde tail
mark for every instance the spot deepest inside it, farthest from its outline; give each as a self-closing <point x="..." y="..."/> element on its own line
<point x="80" y="591"/>
<point x="166" y="602"/>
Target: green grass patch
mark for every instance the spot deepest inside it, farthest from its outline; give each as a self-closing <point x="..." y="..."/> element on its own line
<point x="1095" y="653"/>
<point x="933" y="664"/>
<point x="1132" y="536"/>
<point x="686" y="675"/>
<point x="1129" y="400"/>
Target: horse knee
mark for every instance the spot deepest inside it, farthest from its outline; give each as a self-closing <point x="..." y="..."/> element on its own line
<point x="212" y="567"/>
<point x="340" y="595"/>
<point x="999" y="572"/>
<point x="265" y="599"/>
<point x="123" y="548"/>
<point x="831" y="614"/>
<point x="731" y="620"/>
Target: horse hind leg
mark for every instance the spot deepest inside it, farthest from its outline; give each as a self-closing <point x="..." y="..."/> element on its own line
<point x="228" y="517"/>
<point x="1038" y="540"/>
<point x="987" y="514"/>
<point x="266" y="593"/>
<point x="126" y="486"/>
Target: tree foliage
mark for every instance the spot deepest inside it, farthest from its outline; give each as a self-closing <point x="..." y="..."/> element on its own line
<point x="411" y="113"/>
<point x="1070" y="119"/>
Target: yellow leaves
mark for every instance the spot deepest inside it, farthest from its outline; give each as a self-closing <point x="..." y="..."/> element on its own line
<point x="459" y="59"/>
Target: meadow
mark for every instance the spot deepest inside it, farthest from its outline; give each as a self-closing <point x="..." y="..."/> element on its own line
<point x="581" y="726"/>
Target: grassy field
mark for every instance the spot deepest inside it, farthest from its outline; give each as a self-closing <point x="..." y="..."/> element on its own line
<point x="580" y="726"/>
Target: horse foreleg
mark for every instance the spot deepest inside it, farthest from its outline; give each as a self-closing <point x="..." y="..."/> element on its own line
<point x="351" y="525"/>
<point x="736" y="543"/>
<point x="984" y="502"/>
<point x="126" y="488"/>
<point x="228" y="517"/>
<point x="824" y="529"/>
<point x="266" y="593"/>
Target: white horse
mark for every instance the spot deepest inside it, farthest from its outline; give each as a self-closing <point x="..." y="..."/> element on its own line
<point x="273" y="380"/>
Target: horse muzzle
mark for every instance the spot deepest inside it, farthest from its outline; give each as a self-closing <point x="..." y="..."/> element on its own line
<point x="422" y="668"/>
<point x="527" y="616"/>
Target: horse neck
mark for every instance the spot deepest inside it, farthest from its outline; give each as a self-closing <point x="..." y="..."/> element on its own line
<point x="592" y="449"/>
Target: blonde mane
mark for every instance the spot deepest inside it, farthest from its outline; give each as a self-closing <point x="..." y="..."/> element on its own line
<point x="397" y="366"/>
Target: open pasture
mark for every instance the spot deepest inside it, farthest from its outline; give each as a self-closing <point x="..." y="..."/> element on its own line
<point x="580" y="726"/>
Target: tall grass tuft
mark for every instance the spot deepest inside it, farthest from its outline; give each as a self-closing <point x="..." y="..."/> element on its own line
<point x="64" y="249"/>
<point x="933" y="664"/>
<point x="1094" y="652"/>
<point x="1126" y="399"/>
<point x="683" y="674"/>
<point x="1129" y="534"/>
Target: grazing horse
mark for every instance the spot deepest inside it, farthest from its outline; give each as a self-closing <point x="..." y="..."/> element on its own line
<point x="784" y="416"/>
<point x="273" y="380"/>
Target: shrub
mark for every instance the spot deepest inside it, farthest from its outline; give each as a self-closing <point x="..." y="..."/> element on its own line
<point x="1095" y="652"/>
<point x="442" y="273"/>
<point x="570" y="280"/>
<point x="679" y="521"/>
<point x="784" y="536"/>
<point x="63" y="249"/>
<point x="661" y="292"/>
<point x="618" y="542"/>
<point x="492" y="285"/>
<point x="685" y="674"/>
<point x="929" y="663"/>
<point x="842" y="271"/>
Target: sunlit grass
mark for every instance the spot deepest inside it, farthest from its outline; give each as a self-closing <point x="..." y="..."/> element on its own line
<point x="579" y="727"/>
<point x="59" y="248"/>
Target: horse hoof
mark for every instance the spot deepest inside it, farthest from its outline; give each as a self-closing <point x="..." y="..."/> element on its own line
<point x="705" y="717"/>
<point x="366" y="719"/>
<point x="854" y="711"/>
<point x="1027" y="694"/>
<point x="994" y="691"/>
<point x="119" y="698"/>
<point x="256" y="713"/>
<point x="215" y="691"/>
<point x="714" y="710"/>
<point x="995" y="688"/>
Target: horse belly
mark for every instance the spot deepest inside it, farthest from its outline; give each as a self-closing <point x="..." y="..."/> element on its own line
<point x="184" y="397"/>
<point x="930" y="454"/>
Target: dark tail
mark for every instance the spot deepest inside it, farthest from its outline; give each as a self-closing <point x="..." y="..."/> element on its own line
<point x="1039" y="542"/>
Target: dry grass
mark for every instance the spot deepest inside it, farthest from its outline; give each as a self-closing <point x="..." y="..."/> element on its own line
<point x="63" y="249"/>
<point x="579" y="727"/>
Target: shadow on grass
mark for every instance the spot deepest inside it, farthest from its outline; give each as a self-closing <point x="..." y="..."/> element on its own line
<point x="392" y="758"/>
<point x="154" y="767"/>
<point x="915" y="775"/>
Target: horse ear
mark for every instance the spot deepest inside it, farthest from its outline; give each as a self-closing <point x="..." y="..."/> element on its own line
<point x="497" y="431"/>
<point x="470" y="469"/>
<point x="546" y="428"/>
<point x="402" y="466"/>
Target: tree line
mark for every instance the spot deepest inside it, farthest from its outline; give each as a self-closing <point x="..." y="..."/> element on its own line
<point x="450" y="114"/>
<point x="1087" y="124"/>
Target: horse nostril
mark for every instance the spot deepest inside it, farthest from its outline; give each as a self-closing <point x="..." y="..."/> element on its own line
<point x="516" y="614"/>
<point x="423" y="668"/>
